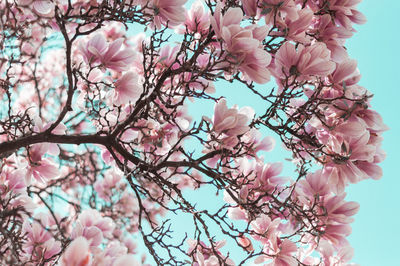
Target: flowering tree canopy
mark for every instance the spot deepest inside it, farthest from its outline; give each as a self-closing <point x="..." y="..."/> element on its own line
<point x="97" y="145"/>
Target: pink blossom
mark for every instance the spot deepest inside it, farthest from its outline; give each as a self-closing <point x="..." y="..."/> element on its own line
<point x="296" y="29"/>
<point x="282" y="254"/>
<point x="12" y="180"/>
<point x="346" y="13"/>
<point x="168" y="56"/>
<point x="246" y="244"/>
<point x="250" y="7"/>
<point x="77" y="253"/>
<point x="243" y="45"/>
<point x="204" y="256"/>
<point x="197" y="19"/>
<point x="336" y="234"/>
<point x="333" y="36"/>
<point x="279" y="10"/>
<point x="115" y="58"/>
<point x="340" y="211"/>
<point x="228" y="124"/>
<point x="268" y="178"/>
<point x="127" y="89"/>
<point x="232" y="17"/>
<point x="126" y="260"/>
<point x="169" y="12"/>
<point x="40" y="168"/>
<point x="231" y="121"/>
<point x="327" y="251"/>
<point x="109" y="55"/>
<point x="93" y="50"/>
<point x="39" y="242"/>
<point x="93" y="227"/>
<point x="359" y="161"/>
<point x="345" y="73"/>
<point x="314" y="184"/>
<point x="304" y="61"/>
<point x="265" y="229"/>
<point x="43" y="8"/>
<point x="256" y="143"/>
<point x="373" y="121"/>
<point x="254" y="66"/>
<point x="104" y="187"/>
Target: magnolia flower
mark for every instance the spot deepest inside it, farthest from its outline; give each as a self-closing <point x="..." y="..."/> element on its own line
<point x="109" y="55"/>
<point x="168" y="11"/>
<point x="231" y="121"/>
<point x="282" y="254"/>
<point x="340" y="211"/>
<point x="39" y="242"/>
<point x="313" y="60"/>
<point x="77" y="253"/>
<point x="127" y="89"/>
<point x="43" y="8"/>
<point x="243" y="45"/>
<point x="197" y="19"/>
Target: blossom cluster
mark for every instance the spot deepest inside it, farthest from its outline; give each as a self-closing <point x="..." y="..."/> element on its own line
<point x="97" y="131"/>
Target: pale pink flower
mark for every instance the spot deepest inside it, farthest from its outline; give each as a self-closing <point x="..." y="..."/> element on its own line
<point x="204" y="256"/>
<point x="314" y="184"/>
<point x="246" y="244"/>
<point x="171" y="12"/>
<point x="126" y="260"/>
<point x="268" y="178"/>
<point x="296" y="29"/>
<point x="313" y="60"/>
<point x="12" y="180"/>
<point x="243" y="45"/>
<point x="232" y="17"/>
<point x="231" y="121"/>
<point x="345" y="13"/>
<point x="340" y="211"/>
<point x="168" y="56"/>
<point x="336" y="234"/>
<point x="43" y="8"/>
<point x="345" y="73"/>
<point x="77" y="253"/>
<point x="24" y="201"/>
<point x="359" y="162"/>
<point x="40" y="242"/>
<point x="104" y="187"/>
<point x="115" y="58"/>
<point x="327" y="251"/>
<point x="281" y="254"/>
<point x="265" y="229"/>
<point x="93" y="227"/>
<point x="254" y="66"/>
<point x="38" y="167"/>
<point x="250" y="7"/>
<point x="334" y="37"/>
<point x="278" y="10"/>
<point x="91" y="233"/>
<point x="127" y="89"/>
<point x="373" y="121"/>
<point x="93" y="49"/>
<point x="197" y="19"/>
<point x="109" y="55"/>
<point x="256" y="143"/>
<point x="237" y="214"/>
